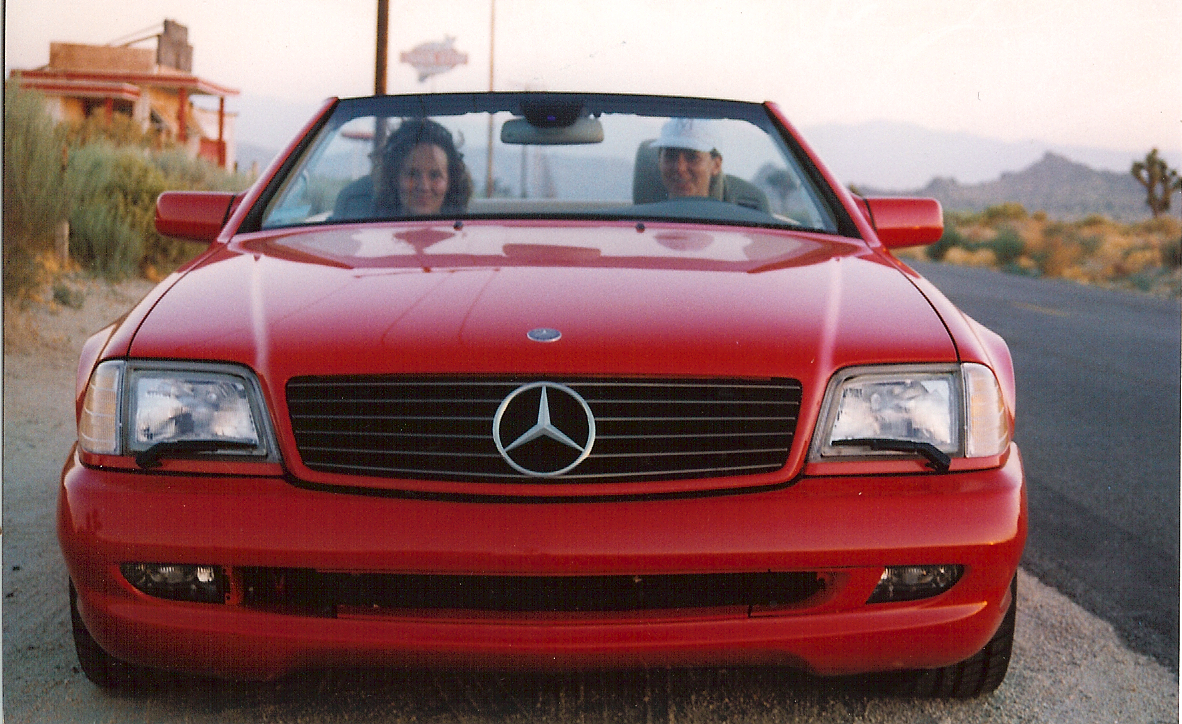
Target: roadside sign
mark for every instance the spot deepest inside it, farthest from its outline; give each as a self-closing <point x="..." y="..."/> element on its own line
<point x="434" y="58"/>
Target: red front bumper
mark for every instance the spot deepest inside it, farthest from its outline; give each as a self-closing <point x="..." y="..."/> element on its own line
<point x="846" y="529"/>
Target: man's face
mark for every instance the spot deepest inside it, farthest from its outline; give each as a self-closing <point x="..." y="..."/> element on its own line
<point x="686" y="172"/>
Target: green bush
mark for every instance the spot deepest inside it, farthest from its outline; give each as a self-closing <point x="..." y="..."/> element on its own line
<point x="119" y="130"/>
<point x="104" y="235"/>
<point x="36" y="196"/>
<point x="103" y="176"/>
<point x="950" y="238"/>
<point x="182" y="172"/>
<point x="103" y="243"/>
<point x="1171" y="254"/>
<point x="1007" y="246"/>
<point x="1009" y="211"/>
<point x="113" y="229"/>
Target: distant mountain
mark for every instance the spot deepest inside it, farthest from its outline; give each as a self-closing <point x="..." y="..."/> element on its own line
<point x="1054" y="184"/>
<point x="891" y="155"/>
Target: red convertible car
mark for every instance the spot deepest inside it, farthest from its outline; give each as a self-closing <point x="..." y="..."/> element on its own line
<point x="546" y="380"/>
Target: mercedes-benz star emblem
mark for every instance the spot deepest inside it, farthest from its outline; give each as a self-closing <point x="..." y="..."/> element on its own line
<point x="544" y="429"/>
<point x="544" y="334"/>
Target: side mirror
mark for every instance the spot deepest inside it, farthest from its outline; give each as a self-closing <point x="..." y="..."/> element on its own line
<point x="905" y="221"/>
<point x="194" y="215"/>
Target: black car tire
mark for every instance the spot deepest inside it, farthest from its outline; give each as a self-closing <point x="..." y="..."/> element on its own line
<point x="100" y="667"/>
<point x="980" y="674"/>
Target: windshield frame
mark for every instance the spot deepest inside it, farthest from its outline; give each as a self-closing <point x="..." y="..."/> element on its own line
<point x="527" y="104"/>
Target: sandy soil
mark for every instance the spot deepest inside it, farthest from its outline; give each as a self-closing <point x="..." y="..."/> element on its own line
<point x="1068" y="666"/>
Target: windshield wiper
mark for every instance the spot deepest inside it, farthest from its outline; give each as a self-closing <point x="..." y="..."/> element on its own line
<point x="938" y="460"/>
<point x="151" y="457"/>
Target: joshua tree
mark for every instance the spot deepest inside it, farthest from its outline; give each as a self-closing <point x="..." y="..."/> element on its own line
<point x="1160" y="182"/>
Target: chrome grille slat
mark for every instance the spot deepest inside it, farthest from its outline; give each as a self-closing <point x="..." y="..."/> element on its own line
<point x="434" y="473"/>
<point x="435" y="428"/>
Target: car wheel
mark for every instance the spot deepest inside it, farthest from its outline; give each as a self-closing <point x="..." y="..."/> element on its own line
<point x="100" y="667"/>
<point x="980" y="674"/>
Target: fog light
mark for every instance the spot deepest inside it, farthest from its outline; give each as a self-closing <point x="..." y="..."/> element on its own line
<point x="202" y="584"/>
<point x="912" y="583"/>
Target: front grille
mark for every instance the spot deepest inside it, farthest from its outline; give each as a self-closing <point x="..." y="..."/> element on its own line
<point x="432" y="428"/>
<point x="314" y="593"/>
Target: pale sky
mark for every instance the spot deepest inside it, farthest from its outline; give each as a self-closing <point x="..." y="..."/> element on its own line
<point x="1100" y="73"/>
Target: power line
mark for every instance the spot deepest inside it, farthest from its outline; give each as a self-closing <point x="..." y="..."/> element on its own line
<point x="151" y="31"/>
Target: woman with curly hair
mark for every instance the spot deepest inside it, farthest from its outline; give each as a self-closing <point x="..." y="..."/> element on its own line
<point x="418" y="172"/>
<point x="422" y="172"/>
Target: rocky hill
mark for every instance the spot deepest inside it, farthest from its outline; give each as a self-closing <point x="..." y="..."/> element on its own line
<point x="1055" y="184"/>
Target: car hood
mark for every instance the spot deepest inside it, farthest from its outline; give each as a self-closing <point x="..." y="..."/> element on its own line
<point x="401" y="300"/>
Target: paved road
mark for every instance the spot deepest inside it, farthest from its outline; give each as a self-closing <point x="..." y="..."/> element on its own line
<point x="1098" y="423"/>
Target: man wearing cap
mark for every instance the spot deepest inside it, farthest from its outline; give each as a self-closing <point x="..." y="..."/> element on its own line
<point x="688" y="158"/>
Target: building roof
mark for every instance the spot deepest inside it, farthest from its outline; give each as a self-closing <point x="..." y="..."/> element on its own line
<point x="106" y="71"/>
<point x="115" y="83"/>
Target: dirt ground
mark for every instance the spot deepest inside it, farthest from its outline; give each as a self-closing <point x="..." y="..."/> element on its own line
<point x="1067" y="665"/>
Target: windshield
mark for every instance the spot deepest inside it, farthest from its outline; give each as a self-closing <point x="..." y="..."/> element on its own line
<point x="557" y="155"/>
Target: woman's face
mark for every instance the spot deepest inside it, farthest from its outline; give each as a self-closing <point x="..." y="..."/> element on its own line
<point x="422" y="180"/>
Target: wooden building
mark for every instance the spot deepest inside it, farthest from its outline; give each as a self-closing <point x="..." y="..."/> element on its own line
<point x="155" y="87"/>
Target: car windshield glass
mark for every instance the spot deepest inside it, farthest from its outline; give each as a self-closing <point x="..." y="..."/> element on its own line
<point x="560" y="156"/>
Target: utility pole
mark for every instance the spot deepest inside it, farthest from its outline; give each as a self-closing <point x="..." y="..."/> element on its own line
<point x="379" y="82"/>
<point x="379" y="74"/>
<point x="492" y="40"/>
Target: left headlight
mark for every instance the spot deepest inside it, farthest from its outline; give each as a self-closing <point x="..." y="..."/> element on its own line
<point x="936" y="411"/>
<point x="155" y="409"/>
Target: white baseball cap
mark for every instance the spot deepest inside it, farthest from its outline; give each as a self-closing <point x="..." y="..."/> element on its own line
<point x="692" y="133"/>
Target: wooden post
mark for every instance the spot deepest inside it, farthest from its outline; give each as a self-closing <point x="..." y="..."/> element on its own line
<point x="182" y="113"/>
<point x="221" y="131"/>
<point x="61" y="241"/>
<point x="383" y="42"/>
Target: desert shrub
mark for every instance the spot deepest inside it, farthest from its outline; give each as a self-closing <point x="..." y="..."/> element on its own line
<point x="113" y="222"/>
<point x="104" y="243"/>
<point x="120" y="130"/>
<point x="951" y="238"/>
<point x="1009" y="211"/>
<point x="68" y="296"/>
<point x="1090" y="243"/>
<point x="182" y="172"/>
<point x="1007" y="246"/>
<point x="961" y="219"/>
<point x="103" y="175"/>
<point x="1171" y="254"/>
<point x="36" y="196"/>
<point x="1162" y="226"/>
<point x="101" y="238"/>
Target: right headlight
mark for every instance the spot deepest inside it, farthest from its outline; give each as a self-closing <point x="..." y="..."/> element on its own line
<point x="936" y="411"/>
<point x="167" y="409"/>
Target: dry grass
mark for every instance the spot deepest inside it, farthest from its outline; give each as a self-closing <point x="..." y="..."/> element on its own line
<point x="56" y="317"/>
<point x="1144" y="256"/>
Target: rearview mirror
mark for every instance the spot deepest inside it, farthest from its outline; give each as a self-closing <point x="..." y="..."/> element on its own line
<point x="519" y="131"/>
<point x="905" y="221"/>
